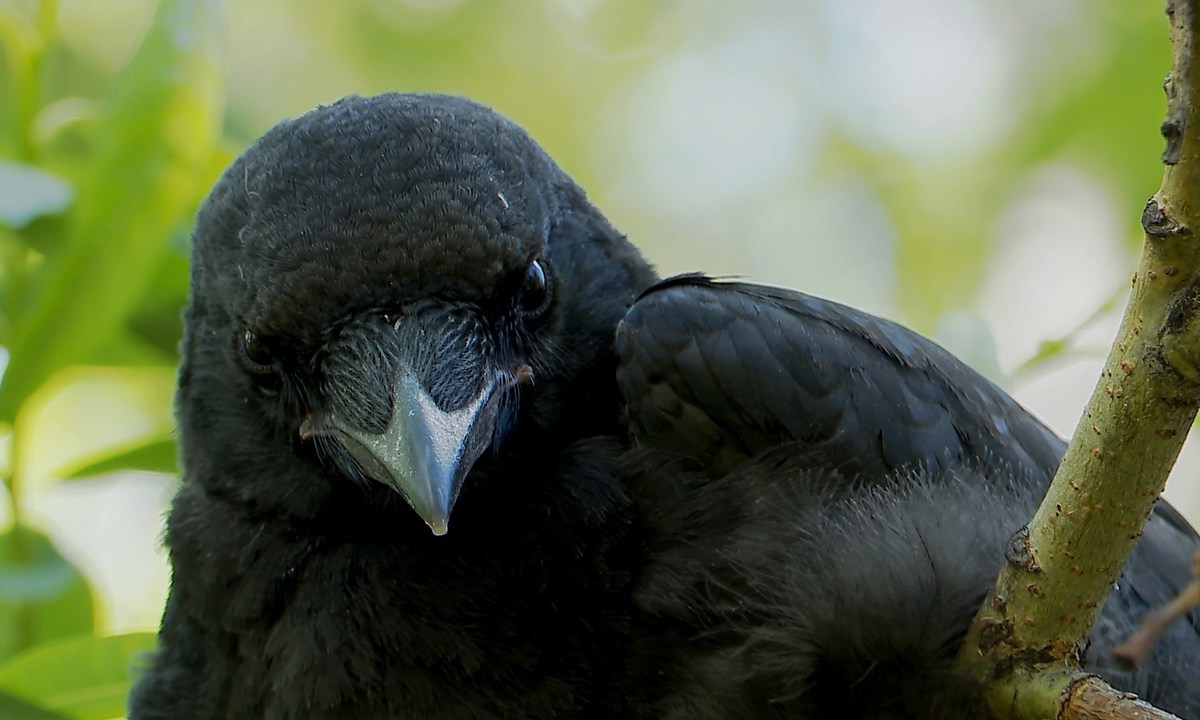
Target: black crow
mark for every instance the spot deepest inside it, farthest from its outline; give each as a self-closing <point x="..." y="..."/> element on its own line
<point x="675" y="499"/>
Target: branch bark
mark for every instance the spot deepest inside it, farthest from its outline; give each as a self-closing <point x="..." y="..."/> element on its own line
<point x="1063" y="694"/>
<point x="1063" y="564"/>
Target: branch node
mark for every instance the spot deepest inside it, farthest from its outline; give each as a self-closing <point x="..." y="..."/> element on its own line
<point x="1176" y="83"/>
<point x="1018" y="552"/>
<point x="1177" y="349"/>
<point x="1159" y="224"/>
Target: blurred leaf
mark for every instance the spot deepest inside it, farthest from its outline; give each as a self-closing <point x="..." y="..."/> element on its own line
<point x="158" y="135"/>
<point x="45" y="233"/>
<point x="42" y="596"/>
<point x="129" y="348"/>
<point x="1108" y="120"/>
<point x="45" y="574"/>
<point x="1066" y="346"/>
<point x="158" y="319"/>
<point x="83" y="678"/>
<point x="19" y="41"/>
<point x="12" y="708"/>
<point x="64" y="114"/>
<point x="67" y="134"/>
<point x="26" y="193"/>
<point x="157" y="455"/>
<point x="17" y="36"/>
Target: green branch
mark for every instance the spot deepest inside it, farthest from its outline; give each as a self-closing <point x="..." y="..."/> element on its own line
<point x="1063" y="565"/>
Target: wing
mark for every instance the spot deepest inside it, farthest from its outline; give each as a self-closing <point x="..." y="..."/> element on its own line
<point x="722" y="371"/>
<point x="876" y="590"/>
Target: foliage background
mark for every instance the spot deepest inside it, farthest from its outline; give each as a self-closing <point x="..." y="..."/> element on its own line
<point x="974" y="168"/>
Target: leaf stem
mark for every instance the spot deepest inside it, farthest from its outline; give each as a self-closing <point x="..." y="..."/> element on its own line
<point x="29" y="84"/>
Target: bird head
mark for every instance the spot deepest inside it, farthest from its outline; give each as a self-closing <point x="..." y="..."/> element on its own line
<point x="393" y="287"/>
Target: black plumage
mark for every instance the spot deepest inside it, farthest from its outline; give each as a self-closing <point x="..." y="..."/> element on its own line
<point x="683" y="499"/>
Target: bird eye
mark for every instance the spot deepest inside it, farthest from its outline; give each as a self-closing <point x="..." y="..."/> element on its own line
<point x="257" y="354"/>
<point x="535" y="291"/>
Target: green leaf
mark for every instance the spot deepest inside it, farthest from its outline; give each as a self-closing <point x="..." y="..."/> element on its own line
<point x="27" y="193"/>
<point x="157" y="455"/>
<point x="19" y="43"/>
<point x="128" y="348"/>
<point x="158" y="318"/>
<point x="12" y="708"/>
<point x="44" y="234"/>
<point x="42" y="596"/>
<point x="159" y="133"/>
<point x="1100" y="120"/>
<point x="82" y="678"/>
<point x="42" y="576"/>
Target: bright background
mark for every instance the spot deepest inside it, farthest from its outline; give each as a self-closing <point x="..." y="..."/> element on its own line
<point x="973" y="168"/>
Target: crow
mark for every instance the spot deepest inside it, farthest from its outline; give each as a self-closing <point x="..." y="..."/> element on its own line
<point x="452" y="449"/>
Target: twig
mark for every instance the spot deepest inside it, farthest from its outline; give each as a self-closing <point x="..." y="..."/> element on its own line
<point x="1156" y="623"/>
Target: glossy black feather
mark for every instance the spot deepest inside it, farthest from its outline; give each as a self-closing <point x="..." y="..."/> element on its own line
<point x="804" y="596"/>
<point x="721" y="371"/>
<point x="733" y="374"/>
<point x="745" y="503"/>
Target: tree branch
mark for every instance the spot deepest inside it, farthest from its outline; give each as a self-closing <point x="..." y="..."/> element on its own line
<point x="1063" y="565"/>
<point x="1063" y="694"/>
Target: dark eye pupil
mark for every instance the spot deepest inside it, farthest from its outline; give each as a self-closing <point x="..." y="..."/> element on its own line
<point x="256" y="352"/>
<point x="533" y="290"/>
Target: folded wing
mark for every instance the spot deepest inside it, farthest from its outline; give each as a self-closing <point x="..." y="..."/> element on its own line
<point x="722" y="371"/>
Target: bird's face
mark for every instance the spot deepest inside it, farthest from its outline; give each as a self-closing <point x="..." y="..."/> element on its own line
<point x="382" y="275"/>
<point x="411" y="393"/>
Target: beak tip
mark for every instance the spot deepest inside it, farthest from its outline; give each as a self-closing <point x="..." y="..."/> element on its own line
<point x="439" y="526"/>
<point x="424" y="451"/>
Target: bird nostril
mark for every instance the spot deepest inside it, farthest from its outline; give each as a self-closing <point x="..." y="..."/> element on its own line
<point x="520" y="375"/>
<point x="523" y="375"/>
<point x="308" y="428"/>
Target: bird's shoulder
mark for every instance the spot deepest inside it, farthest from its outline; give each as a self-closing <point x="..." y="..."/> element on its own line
<point x="722" y="371"/>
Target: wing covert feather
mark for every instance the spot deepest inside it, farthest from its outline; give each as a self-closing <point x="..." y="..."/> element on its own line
<point x="721" y="371"/>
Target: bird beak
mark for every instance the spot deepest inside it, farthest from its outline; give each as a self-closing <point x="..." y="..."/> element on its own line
<point x="424" y="451"/>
